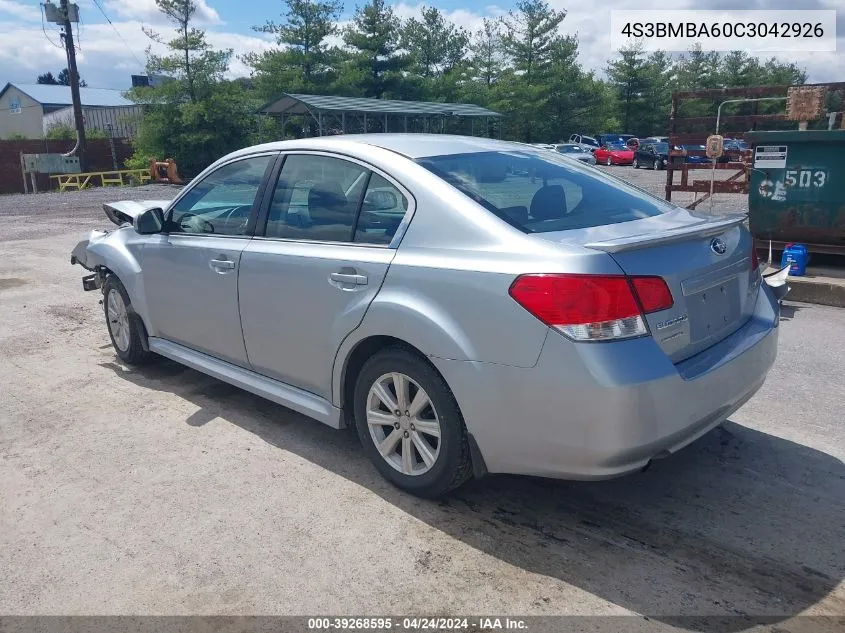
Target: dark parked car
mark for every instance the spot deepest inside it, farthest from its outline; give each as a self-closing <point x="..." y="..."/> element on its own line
<point x="694" y="154"/>
<point x="613" y="139"/>
<point x="654" y="155"/>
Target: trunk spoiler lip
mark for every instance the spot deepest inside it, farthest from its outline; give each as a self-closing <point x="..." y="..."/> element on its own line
<point x="704" y="228"/>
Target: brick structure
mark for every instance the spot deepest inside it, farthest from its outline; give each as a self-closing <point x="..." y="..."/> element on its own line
<point x="98" y="154"/>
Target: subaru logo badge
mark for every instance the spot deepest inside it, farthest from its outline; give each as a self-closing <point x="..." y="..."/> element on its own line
<point x="718" y="246"/>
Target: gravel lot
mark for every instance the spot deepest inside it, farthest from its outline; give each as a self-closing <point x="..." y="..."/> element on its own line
<point x="162" y="491"/>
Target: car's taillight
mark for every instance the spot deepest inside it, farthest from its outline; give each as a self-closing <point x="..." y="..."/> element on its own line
<point x="755" y="259"/>
<point x="653" y="293"/>
<point x="592" y="307"/>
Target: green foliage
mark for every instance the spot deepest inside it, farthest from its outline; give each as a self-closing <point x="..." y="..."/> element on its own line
<point x="17" y="136"/>
<point x="196" y="116"/>
<point x="65" y="132"/>
<point x="435" y="46"/>
<point x="523" y="65"/>
<point x="63" y="79"/>
<point x="305" y="62"/>
<point x="373" y="41"/>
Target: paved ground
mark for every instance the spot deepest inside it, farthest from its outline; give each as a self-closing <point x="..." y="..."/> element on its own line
<point x="162" y="491"/>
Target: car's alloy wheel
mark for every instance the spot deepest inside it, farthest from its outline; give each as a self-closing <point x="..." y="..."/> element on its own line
<point x="403" y="424"/>
<point x="118" y="319"/>
<point x="409" y="423"/>
<point x="636" y="163"/>
<point x="609" y="161"/>
<point x="657" y="164"/>
<point x="126" y="329"/>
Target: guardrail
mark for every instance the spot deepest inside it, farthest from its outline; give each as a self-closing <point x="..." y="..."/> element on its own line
<point x="117" y="178"/>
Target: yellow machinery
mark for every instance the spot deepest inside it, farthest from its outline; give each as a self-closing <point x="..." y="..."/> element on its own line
<point x="165" y="172"/>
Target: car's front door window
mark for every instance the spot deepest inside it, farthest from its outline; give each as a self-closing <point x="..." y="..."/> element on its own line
<point x="222" y="202"/>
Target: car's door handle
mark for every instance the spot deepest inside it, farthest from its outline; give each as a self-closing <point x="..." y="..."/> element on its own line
<point x="222" y="264"/>
<point x="349" y="278"/>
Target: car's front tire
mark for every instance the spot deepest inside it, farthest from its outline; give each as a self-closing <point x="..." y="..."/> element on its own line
<point x="609" y="162"/>
<point x="636" y="163"/>
<point x="126" y="330"/>
<point x="410" y="425"/>
<point x="658" y="164"/>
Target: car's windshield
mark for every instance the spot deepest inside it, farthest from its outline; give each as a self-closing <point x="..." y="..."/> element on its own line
<point x="571" y="149"/>
<point x="543" y="193"/>
<point x="617" y="146"/>
<point x="589" y="140"/>
<point x="661" y="148"/>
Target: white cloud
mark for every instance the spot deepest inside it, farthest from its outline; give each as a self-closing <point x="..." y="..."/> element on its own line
<point x="105" y="61"/>
<point x="591" y="23"/>
<point x="20" y="10"/>
<point x="147" y="11"/>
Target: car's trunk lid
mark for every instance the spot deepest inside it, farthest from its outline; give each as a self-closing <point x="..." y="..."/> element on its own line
<point x="705" y="261"/>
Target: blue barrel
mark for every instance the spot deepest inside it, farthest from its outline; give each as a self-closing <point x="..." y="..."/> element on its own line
<point x="796" y="256"/>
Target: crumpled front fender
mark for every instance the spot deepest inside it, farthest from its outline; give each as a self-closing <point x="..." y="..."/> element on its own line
<point x="83" y="256"/>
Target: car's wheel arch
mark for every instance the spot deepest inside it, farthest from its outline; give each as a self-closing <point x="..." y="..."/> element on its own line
<point x="427" y="332"/>
<point x="116" y="259"/>
<point x="353" y="363"/>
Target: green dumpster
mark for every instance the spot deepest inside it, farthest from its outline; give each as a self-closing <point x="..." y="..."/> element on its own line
<point x="797" y="188"/>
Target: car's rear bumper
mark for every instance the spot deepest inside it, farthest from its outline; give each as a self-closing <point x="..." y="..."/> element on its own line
<point x="592" y="411"/>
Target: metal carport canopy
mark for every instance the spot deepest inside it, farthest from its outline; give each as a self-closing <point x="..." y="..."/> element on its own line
<point x="309" y="104"/>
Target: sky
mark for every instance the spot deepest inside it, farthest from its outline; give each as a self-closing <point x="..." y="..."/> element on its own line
<point x="110" y="53"/>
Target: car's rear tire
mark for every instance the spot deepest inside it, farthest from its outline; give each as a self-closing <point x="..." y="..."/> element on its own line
<point x="126" y="330"/>
<point x="424" y="444"/>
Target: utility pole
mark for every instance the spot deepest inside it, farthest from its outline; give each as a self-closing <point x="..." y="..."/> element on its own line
<point x="74" y="83"/>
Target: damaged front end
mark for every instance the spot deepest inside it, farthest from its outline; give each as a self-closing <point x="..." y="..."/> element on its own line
<point x="90" y="261"/>
<point x="109" y="250"/>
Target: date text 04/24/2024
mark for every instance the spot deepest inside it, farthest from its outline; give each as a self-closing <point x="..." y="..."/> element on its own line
<point x="416" y="624"/>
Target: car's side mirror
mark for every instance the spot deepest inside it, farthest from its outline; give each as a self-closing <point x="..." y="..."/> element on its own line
<point x="381" y="201"/>
<point x="149" y="222"/>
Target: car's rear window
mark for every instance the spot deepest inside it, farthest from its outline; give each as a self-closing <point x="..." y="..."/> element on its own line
<point x="539" y="194"/>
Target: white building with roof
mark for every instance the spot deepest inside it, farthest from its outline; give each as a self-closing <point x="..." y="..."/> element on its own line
<point x="30" y="110"/>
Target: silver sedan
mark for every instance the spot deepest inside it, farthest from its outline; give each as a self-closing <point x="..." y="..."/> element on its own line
<point x="573" y="150"/>
<point x="466" y="305"/>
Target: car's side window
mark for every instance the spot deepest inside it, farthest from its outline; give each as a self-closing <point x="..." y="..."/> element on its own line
<point x="316" y="198"/>
<point x="222" y="202"/>
<point x="382" y="212"/>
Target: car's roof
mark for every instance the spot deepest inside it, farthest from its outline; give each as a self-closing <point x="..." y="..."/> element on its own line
<point x="411" y="145"/>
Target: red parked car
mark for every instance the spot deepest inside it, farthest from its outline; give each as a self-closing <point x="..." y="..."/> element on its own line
<point x="614" y="154"/>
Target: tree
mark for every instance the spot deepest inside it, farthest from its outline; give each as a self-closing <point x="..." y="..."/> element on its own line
<point x="531" y="34"/>
<point x="191" y="59"/>
<point x="373" y="39"/>
<point x="531" y="40"/>
<point x="630" y="76"/>
<point x="435" y="45"/>
<point x="47" y="79"/>
<point x="487" y="53"/>
<point x="63" y="79"/>
<point x="196" y="116"/>
<point x="304" y="62"/>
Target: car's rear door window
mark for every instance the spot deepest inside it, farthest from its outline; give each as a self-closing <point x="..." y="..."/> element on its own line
<point x="316" y="198"/>
<point x="539" y="193"/>
<point x="382" y="211"/>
